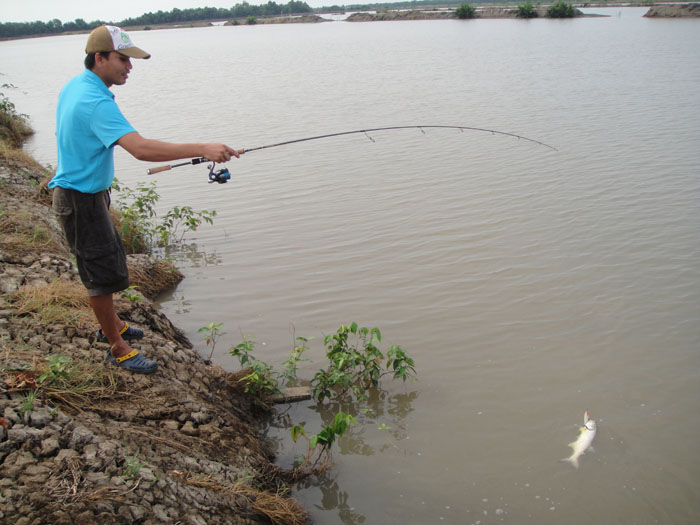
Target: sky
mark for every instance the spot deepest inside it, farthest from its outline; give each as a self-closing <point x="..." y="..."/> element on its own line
<point x="114" y="10"/>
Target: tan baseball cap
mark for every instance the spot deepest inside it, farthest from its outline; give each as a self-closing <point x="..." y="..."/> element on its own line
<point x="113" y="38"/>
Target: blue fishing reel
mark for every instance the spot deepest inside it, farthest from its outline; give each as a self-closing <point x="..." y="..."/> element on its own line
<point x="221" y="176"/>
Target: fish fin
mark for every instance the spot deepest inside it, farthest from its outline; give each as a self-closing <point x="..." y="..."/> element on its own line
<point x="591" y="449"/>
<point x="572" y="444"/>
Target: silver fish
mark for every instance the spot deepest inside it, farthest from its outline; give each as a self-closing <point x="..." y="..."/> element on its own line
<point x="585" y="438"/>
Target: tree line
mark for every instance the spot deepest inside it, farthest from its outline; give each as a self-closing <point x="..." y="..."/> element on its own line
<point x="242" y="10"/>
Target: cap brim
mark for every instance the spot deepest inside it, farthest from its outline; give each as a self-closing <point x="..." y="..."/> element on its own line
<point x="134" y="52"/>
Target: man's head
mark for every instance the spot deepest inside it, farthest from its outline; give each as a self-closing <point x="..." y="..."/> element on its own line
<point x="109" y="52"/>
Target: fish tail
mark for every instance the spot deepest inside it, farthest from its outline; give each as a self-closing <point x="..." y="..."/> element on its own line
<point x="572" y="460"/>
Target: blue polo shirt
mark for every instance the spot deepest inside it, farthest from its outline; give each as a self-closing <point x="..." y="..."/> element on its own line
<point x="88" y="124"/>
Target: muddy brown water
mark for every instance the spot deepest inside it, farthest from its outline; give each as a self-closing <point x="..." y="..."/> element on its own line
<point x="529" y="285"/>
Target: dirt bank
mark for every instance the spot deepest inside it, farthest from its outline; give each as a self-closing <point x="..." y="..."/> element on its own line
<point x="83" y="442"/>
<point x="674" y="11"/>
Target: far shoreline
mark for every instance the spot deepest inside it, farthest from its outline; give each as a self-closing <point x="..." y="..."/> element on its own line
<point x="483" y="11"/>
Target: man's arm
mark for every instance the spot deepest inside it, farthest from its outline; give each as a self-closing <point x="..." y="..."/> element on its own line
<point x="158" y="151"/>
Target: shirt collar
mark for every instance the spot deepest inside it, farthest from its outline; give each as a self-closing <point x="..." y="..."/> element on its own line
<point x="97" y="81"/>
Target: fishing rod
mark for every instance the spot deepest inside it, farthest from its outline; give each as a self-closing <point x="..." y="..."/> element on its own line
<point x="223" y="175"/>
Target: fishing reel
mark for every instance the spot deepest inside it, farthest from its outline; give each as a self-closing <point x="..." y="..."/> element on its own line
<point x="221" y="176"/>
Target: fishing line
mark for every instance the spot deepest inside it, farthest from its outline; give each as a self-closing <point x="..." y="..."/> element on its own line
<point x="223" y="175"/>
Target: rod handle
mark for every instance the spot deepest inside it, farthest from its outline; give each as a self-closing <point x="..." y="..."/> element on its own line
<point x="153" y="171"/>
<point x="240" y="151"/>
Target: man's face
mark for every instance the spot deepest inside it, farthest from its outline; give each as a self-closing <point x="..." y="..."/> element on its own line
<point x="113" y="70"/>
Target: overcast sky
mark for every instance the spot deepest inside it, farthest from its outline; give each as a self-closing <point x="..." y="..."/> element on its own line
<point x="114" y="10"/>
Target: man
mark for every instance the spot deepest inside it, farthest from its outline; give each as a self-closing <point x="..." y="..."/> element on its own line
<point x="88" y="126"/>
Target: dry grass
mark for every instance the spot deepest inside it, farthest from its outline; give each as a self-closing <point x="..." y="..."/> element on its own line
<point x="152" y="281"/>
<point x="14" y="130"/>
<point x="17" y="157"/>
<point x="81" y="385"/>
<point x="279" y="509"/>
<point x="59" y="302"/>
<point x="23" y="234"/>
<point x="87" y="387"/>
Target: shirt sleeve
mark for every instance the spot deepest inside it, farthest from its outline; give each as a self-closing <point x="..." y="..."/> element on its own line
<point x="108" y="124"/>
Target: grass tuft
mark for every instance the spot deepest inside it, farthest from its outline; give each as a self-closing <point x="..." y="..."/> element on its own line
<point x="59" y="302"/>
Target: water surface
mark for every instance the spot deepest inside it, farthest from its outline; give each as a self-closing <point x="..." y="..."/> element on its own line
<point x="529" y="285"/>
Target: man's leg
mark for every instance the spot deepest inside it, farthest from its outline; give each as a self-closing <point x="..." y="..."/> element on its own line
<point x="103" y="306"/>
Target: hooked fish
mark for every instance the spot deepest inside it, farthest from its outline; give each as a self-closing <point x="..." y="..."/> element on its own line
<point x="585" y="438"/>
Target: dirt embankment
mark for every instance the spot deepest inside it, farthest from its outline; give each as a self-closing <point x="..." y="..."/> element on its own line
<point x="674" y="11"/>
<point x="84" y="442"/>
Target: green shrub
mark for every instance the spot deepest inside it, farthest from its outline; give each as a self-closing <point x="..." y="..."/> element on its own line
<point x="137" y="223"/>
<point x="355" y="363"/>
<point x="14" y="126"/>
<point x="465" y="11"/>
<point x="526" y="10"/>
<point x="561" y="10"/>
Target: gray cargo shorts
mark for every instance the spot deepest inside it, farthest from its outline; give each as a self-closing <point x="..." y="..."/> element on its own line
<point x="93" y="239"/>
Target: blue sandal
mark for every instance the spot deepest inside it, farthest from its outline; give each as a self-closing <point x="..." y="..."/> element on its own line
<point x="128" y="333"/>
<point x="133" y="362"/>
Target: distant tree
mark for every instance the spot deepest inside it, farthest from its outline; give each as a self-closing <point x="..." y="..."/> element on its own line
<point x="526" y="10"/>
<point x="561" y="10"/>
<point x="465" y="11"/>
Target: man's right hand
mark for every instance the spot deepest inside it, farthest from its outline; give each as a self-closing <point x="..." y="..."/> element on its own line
<point x="219" y="152"/>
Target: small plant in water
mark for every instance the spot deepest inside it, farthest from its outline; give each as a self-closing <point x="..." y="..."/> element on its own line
<point x="260" y="380"/>
<point x="291" y="364"/>
<point x="320" y="444"/>
<point x="212" y="332"/>
<point x="356" y="363"/>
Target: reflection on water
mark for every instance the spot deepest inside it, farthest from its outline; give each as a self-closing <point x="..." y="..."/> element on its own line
<point x="190" y="254"/>
<point x="380" y="428"/>
<point x="332" y="499"/>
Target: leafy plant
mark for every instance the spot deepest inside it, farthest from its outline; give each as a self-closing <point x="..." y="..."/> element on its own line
<point x="243" y="350"/>
<point x="182" y="216"/>
<point x="260" y="380"/>
<point x="465" y="11"/>
<point x="138" y="222"/>
<point x="356" y="363"/>
<point x="58" y="371"/>
<point x="131" y="295"/>
<point x="324" y="439"/>
<point x="292" y="362"/>
<point x="526" y="10"/>
<point x="561" y="10"/>
<point x="213" y="332"/>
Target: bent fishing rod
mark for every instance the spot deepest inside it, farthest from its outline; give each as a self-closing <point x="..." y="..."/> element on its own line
<point x="223" y="175"/>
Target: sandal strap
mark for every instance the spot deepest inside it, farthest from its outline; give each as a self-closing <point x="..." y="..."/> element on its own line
<point x="126" y="327"/>
<point x="127" y="356"/>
